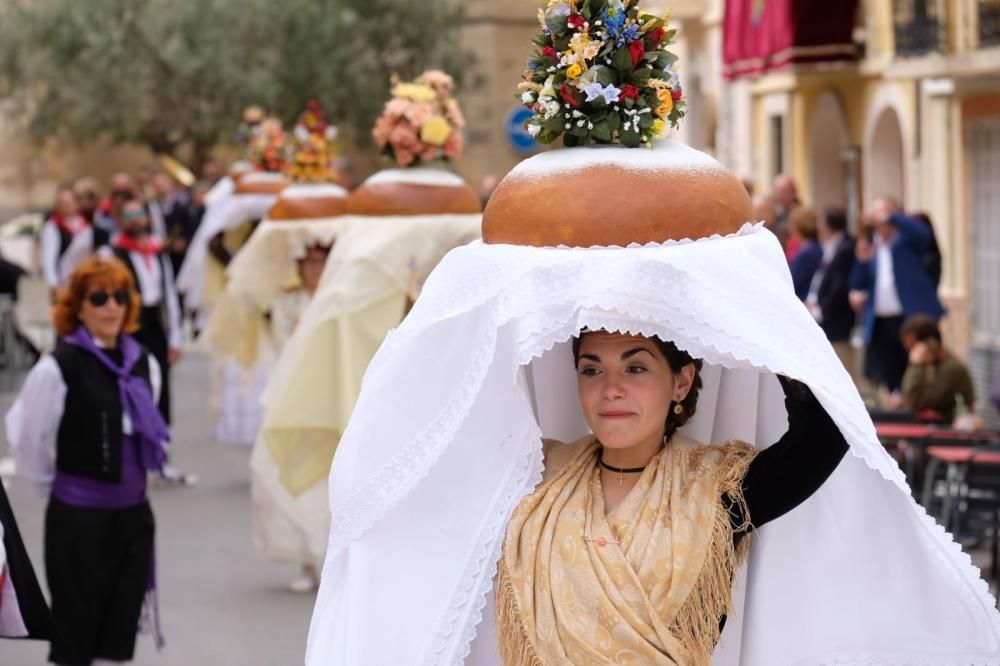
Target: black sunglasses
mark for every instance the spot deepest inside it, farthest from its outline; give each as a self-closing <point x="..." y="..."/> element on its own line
<point x="100" y="298"/>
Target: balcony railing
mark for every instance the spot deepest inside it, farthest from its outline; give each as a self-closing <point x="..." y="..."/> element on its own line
<point x="919" y="26"/>
<point x="989" y="22"/>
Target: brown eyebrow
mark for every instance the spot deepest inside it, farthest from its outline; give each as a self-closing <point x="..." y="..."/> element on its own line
<point x="625" y="355"/>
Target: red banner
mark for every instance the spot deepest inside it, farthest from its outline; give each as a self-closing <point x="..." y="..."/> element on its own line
<point x="764" y="35"/>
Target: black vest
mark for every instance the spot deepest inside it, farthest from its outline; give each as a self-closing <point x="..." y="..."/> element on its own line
<point x="162" y="315"/>
<point x="100" y="239"/>
<point x="89" y="440"/>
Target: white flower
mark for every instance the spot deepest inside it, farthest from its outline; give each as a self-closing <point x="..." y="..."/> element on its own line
<point x="533" y="130"/>
<point x="528" y="97"/>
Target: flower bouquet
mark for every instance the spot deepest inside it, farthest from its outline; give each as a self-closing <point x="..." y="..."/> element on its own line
<point x="266" y="149"/>
<point x="422" y="121"/>
<point x="312" y="149"/>
<point x="601" y="74"/>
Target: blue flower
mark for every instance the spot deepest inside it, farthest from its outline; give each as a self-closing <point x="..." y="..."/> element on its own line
<point x="630" y="34"/>
<point x="595" y="90"/>
<point x="613" y="18"/>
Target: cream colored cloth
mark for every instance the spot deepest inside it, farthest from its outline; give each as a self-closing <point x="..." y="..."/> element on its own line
<point x="376" y="265"/>
<point x="286" y="528"/>
<point x="646" y="583"/>
<point x="262" y="269"/>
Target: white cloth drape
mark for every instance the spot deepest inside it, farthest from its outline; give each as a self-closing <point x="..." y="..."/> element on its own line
<point x="445" y="440"/>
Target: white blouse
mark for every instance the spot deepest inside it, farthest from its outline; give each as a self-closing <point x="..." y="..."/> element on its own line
<point x="33" y="422"/>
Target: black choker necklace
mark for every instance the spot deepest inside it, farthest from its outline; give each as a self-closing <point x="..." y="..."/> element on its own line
<point x="620" y="470"/>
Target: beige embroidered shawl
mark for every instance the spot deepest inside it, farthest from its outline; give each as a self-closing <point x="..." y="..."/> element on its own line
<point x="645" y="584"/>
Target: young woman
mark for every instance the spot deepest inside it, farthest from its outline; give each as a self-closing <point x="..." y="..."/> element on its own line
<point x="86" y="427"/>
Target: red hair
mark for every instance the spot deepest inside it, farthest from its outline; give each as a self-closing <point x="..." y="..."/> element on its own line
<point x="95" y="273"/>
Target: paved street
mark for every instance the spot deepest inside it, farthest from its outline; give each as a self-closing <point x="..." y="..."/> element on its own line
<point x="220" y="604"/>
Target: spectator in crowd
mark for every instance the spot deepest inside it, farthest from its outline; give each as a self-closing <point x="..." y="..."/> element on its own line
<point x="211" y="171"/>
<point x="785" y="199"/>
<point x="890" y="284"/>
<point x="174" y="203"/>
<point x="828" y="292"/>
<point x="932" y="257"/>
<point x="121" y="183"/>
<point x="763" y="211"/>
<point x="87" y="197"/>
<point x="934" y="378"/>
<point x="803" y="225"/>
<point x="66" y="239"/>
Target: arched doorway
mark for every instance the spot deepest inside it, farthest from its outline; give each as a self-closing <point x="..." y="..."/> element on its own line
<point x="829" y="145"/>
<point x="884" y="168"/>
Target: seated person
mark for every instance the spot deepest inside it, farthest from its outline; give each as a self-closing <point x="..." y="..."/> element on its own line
<point x="935" y="378"/>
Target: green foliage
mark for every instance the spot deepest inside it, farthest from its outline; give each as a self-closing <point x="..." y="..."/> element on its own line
<point x="165" y="73"/>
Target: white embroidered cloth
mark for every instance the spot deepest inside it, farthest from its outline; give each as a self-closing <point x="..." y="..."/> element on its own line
<point x="445" y="440"/>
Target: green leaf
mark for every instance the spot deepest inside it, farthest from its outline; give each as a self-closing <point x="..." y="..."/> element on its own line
<point x="614" y="122"/>
<point x="557" y="24"/>
<point x="555" y="124"/>
<point x="641" y="76"/>
<point x="630" y="138"/>
<point x="622" y="60"/>
<point x="601" y="131"/>
<point x="604" y="75"/>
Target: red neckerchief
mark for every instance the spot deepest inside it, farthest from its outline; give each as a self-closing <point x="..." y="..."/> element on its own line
<point x="148" y="246"/>
<point x="72" y="226"/>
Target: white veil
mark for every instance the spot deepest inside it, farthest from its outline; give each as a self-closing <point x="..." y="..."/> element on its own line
<point x="445" y="440"/>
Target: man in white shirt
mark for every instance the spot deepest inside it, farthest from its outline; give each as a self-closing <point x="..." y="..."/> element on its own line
<point x="160" y="317"/>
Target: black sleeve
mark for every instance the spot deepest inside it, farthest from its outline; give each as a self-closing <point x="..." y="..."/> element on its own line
<point x="786" y="474"/>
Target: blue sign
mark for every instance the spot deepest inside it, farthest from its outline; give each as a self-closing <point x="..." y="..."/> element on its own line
<point x="513" y="129"/>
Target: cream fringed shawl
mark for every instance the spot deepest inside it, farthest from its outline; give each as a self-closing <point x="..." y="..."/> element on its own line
<point x="645" y="584"/>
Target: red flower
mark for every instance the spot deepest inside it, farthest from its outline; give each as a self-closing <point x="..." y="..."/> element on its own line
<point x="654" y="37"/>
<point x="637" y="50"/>
<point x="570" y="95"/>
<point x="549" y="52"/>
<point x="576" y="21"/>
<point x="676" y="94"/>
<point x="629" y="91"/>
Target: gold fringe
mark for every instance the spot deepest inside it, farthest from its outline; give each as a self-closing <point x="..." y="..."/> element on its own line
<point x="513" y="641"/>
<point x="696" y="625"/>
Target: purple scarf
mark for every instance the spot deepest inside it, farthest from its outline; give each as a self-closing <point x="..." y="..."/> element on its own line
<point x="148" y="426"/>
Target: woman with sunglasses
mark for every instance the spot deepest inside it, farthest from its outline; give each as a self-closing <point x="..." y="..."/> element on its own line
<point x="87" y="429"/>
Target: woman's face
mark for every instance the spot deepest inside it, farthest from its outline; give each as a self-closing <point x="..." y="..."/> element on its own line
<point x="626" y="387"/>
<point x="66" y="204"/>
<point x="103" y="313"/>
<point x="311" y="268"/>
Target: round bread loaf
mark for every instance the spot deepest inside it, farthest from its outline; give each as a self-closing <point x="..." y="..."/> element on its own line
<point x="261" y="182"/>
<point x="309" y="201"/>
<point x="415" y="191"/>
<point x="239" y="169"/>
<point x="601" y="196"/>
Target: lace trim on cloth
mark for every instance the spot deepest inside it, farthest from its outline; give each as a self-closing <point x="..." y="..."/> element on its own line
<point x="549" y="297"/>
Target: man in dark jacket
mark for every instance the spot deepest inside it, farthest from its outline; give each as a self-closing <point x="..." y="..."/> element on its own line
<point x="827" y="300"/>
<point x="891" y="280"/>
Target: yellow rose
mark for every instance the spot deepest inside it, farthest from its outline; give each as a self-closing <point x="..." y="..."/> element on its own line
<point x="414" y="91"/>
<point x="659" y="127"/>
<point x="666" y="103"/>
<point x="574" y="71"/>
<point x="435" y="131"/>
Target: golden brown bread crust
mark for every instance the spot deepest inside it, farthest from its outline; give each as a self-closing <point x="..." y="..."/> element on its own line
<point x="247" y="186"/>
<point x="412" y="199"/>
<point x="307" y="208"/>
<point x="606" y="204"/>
